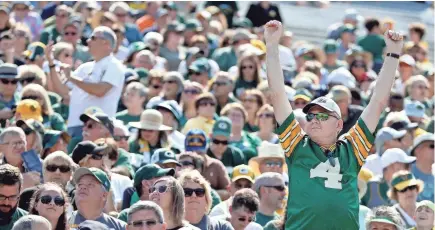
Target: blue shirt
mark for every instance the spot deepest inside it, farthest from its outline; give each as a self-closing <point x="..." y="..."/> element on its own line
<point x="428" y="179"/>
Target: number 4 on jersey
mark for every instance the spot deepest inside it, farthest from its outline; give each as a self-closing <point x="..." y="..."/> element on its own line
<point x="332" y="174"/>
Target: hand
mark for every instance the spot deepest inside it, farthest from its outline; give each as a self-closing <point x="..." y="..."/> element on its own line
<point x="49" y="52"/>
<point x="66" y="69"/>
<point x="272" y="32"/>
<point x="31" y="179"/>
<point x="394" y="42"/>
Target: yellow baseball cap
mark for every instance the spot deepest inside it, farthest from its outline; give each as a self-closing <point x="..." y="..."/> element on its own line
<point x="29" y="109"/>
<point x="243" y="172"/>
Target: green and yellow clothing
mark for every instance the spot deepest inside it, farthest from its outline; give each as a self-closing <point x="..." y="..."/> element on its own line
<point x="17" y="215"/>
<point x="54" y="98"/>
<point x="376" y="194"/>
<point x="319" y="188"/>
<point x="230" y="158"/>
<point x="126" y="118"/>
<point x="262" y="219"/>
<point x="49" y="34"/>
<point x="54" y="121"/>
<point x="248" y="145"/>
<point x="63" y="110"/>
<point x="250" y="128"/>
<point x="199" y="122"/>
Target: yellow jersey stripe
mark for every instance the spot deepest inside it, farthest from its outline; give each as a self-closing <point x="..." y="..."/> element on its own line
<point x="360" y="132"/>
<point x="287" y="130"/>
<point x="357" y="152"/>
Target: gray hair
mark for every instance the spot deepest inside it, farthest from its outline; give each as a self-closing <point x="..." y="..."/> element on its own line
<point x="27" y="222"/>
<point x="124" y="6"/>
<point x="385" y="212"/>
<point x="137" y="87"/>
<point x="11" y="131"/>
<point x="120" y="125"/>
<point x="146" y="205"/>
<point x="107" y="34"/>
<point x="60" y="155"/>
<point x="148" y="54"/>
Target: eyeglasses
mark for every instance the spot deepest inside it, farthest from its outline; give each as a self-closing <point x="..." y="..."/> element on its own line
<point x="30" y="97"/>
<point x="96" y="157"/>
<point x="62" y="168"/>
<point x="250" y="100"/>
<point x="280" y="188"/>
<point x="27" y="131"/>
<point x="319" y="116"/>
<point x="62" y="15"/>
<point x="119" y="138"/>
<point x="10" y="198"/>
<point x="12" y="82"/>
<point x="272" y="164"/>
<point x="156" y="86"/>
<point x="266" y="115"/>
<point x="16" y="144"/>
<point x="432" y="146"/>
<point x="247" y="67"/>
<point x="199" y="192"/>
<point x="194" y="73"/>
<point x="27" y="80"/>
<point x="397" y="97"/>
<point x="413" y="187"/>
<point x="160" y="189"/>
<point x="205" y="103"/>
<point x="143" y="223"/>
<point x="186" y="163"/>
<point x="221" y="83"/>
<point x="170" y="81"/>
<point x="191" y="91"/>
<point x="58" y="201"/>
<point x="70" y="33"/>
<point x="219" y="142"/>
<point x="243" y="219"/>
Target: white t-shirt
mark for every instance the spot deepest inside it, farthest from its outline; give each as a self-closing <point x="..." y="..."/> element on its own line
<point x="122" y="53"/>
<point x="119" y="184"/>
<point x="108" y="69"/>
<point x="221" y="209"/>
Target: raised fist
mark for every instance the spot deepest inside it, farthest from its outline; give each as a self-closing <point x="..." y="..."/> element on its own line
<point x="272" y="32"/>
<point x="394" y="41"/>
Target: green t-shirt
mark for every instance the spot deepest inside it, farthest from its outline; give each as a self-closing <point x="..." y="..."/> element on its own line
<point x="55" y="122"/>
<point x="248" y="145"/>
<point x="262" y="219"/>
<point x="17" y="215"/>
<point x="230" y="158"/>
<point x="225" y="57"/>
<point x="250" y="128"/>
<point x="338" y="64"/>
<point x="123" y="215"/>
<point x="317" y="187"/>
<point x="242" y="85"/>
<point x="54" y="98"/>
<point x="49" y="34"/>
<point x="374" y="44"/>
<point x="126" y="118"/>
<point x="124" y="161"/>
<point x="62" y="109"/>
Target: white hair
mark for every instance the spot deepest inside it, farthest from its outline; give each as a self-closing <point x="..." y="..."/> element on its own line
<point x="107" y="34"/>
<point x="153" y="36"/>
<point x="124" y="6"/>
<point x="395" y="117"/>
<point x="11" y="131"/>
<point x="148" y="54"/>
<point x="120" y="125"/>
<point x="29" y="221"/>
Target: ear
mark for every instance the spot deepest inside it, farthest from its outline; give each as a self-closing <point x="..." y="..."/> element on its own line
<point x="231" y="209"/>
<point x="164" y="226"/>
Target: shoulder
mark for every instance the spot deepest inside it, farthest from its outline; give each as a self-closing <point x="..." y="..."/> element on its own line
<point x="356" y="108"/>
<point x="48" y="29"/>
<point x="21" y="212"/>
<point x="121" y="113"/>
<point x="222" y="51"/>
<point x="219" y="224"/>
<point x="114" y="221"/>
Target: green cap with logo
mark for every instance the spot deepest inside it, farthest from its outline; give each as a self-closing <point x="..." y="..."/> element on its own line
<point x="330" y="46"/>
<point x="99" y="174"/>
<point x="303" y="94"/>
<point x="150" y="171"/>
<point x="194" y="24"/>
<point x="35" y="49"/>
<point x="51" y="137"/>
<point x="164" y="156"/>
<point x="347" y="28"/>
<point x="200" y="65"/>
<point x="222" y="127"/>
<point x="32" y="124"/>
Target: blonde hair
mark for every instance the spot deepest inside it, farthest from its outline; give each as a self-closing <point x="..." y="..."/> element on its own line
<point x="262" y="109"/>
<point x="59" y="47"/>
<point x="35" y="88"/>
<point x="196" y="177"/>
<point x="252" y="58"/>
<point x="235" y="105"/>
<point x="414" y="79"/>
<point x="177" y="195"/>
<point x="59" y="155"/>
<point x="28" y="71"/>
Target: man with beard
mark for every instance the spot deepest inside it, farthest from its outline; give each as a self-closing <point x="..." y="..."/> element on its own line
<point x="10" y="188"/>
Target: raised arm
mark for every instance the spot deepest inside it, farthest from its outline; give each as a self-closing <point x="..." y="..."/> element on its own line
<point x="275" y="77"/>
<point x="379" y="99"/>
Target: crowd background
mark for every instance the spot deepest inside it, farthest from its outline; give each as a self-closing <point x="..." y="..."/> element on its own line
<point x="106" y="106"/>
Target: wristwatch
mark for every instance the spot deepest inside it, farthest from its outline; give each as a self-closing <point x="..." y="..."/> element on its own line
<point x="393" y="55"/>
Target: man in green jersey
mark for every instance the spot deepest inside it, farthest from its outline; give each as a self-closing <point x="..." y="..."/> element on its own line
<point x="323" y="169"/>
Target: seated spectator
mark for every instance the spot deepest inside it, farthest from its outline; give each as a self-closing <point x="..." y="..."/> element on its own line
<point x="424" y="215"/>
<point x="226" y="56"/>
<point x="9" y="95"/>
<point x="248" y="75"/>
<point x="171" y="49"/>
<point x="145" y="214"/>
<point x="252" y="101"/>
<point x="32" y="222"/>
<point x="165" y="158"/>
<point x="384" y="217"/>
<point x="34" y="131"/>
<point x="205" y="105"/>
<point x="422" y="149"/>
<point x="243" y="208"/>
<point x="121" y="134"/>
<point x="172" y="89"/>
<point x="172" y="115"/>
<point x="134" y="97"/>
<point x="330" y="47"/>
<point x="200" y="71"/>
<point x="191" y="92"/>
<point x="53" y="141"/>
<point x="222" y="87"/>
<point x="52" y="33"/>
<point x="51" y="202"/>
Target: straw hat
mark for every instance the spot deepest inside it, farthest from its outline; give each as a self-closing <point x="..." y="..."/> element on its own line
<point x="267" y="150"/>
<point x="151" y="119"/>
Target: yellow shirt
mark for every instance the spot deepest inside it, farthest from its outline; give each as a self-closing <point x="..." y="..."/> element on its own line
<point x="199" y="122"/>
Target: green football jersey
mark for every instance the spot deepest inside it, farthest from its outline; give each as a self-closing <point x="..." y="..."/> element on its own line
<point x="323" y="195"/>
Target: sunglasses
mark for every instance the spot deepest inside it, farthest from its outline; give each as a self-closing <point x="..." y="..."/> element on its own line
<point x="143" y="223"/>
<point x="247" y="67"/>
<point x="186" y="163"/>
<point x="170" y="81"/>
<point x="119" y="138"/>
<point x="27" y="80"/>
<point x="266" y="115"/>
<point x="279" y="187"/>
<point x="62" y="15"/>
<point x="319" y="116"/>
<point x="90" y="125"/>
<point x="62" y="168"/>
<point x="93" y="37"/>
<point x="413" y="187"/>
<point x="12" y="82"/>
<point x="243" y="219"/>
<point x="97" y="157"/>
<point x="397" y="97"/>
<point x="199" y="192"/>
<point x="160" y="189"/>
<point x="221" y="83"/>
<point x="70" y="33"/>
<point x="191" y="91"/>
<point x="194" y="73"/>
<point x="271" y="164"/>
<point x="58" y="201"/>
<point x="251" y="100"/>
<point x="205" y="103"/>
<point x="432" y="146"/>
<point x="156" y="86"/>
<point x="30" y="97"/>
<point x="219" y="142"/>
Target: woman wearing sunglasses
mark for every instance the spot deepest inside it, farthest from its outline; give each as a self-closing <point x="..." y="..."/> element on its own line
<point x="34" y="131"/>
<point x="252" y="101"/>
<point x="266" y="123"/>
<point x="248" y="74"/>
<point x="168" y="193"/>
<point x="404" y="190"/>
<point x="191" y="91"/>
<point x="198" y="201"/>
<point x="51" y="202"/>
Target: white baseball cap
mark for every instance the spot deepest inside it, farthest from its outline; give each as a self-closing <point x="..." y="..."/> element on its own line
<point x="407" y="59"/>
<point x="395" y="155"/>
<point x="324" y="102"/>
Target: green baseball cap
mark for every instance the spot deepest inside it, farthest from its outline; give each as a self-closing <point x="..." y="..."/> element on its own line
<point x="142" y="72"/>
<point x="99" y="174"/>
<point x="175" y="27"/>
<point x="193" y="24"/>
<point x="33" y="124"/>
<point x="330" y="46"/>
<point x="303" y="94"/>
<point x="164" y="156"/>
<point x="136" y="47"/>
<point x="150" y="171"/>
<point x="200" y="65"/>
<point x="242" y="22"/>
<point x="347" y="28"/>
<point x="35" y="49"/>
<point x="222" y="127"/>
<point x="51" y="137"/>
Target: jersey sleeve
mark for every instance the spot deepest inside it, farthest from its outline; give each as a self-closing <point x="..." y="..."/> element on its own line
<point x="361" y="140"/>
<point x="290" y="134"/>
